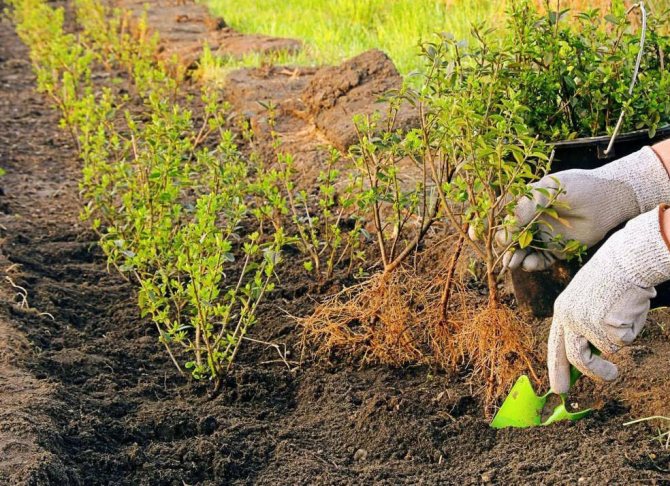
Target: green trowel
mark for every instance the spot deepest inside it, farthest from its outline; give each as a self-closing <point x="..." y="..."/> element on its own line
<point x="524" y="408"/>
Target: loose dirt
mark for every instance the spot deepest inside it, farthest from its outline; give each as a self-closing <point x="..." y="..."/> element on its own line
<point x="88" y="396"/>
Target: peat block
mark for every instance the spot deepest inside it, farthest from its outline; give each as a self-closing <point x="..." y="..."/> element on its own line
<point x="337" y="93"/>
<point x="246" y="89"/>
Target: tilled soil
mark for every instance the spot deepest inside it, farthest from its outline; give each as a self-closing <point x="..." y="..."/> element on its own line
<point x="87" y="395"/>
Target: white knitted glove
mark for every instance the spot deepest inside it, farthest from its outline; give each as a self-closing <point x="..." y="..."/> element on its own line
<point x="607" y="302"/>
<point x="593" y="203"/>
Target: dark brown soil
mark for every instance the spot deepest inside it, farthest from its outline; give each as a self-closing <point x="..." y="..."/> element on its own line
<point x="88" y="397"/>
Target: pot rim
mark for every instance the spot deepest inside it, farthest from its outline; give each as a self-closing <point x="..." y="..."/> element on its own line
<point x="605" y="139"/>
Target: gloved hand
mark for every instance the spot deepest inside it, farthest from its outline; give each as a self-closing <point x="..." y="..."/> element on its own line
<point x="607" y="302"/>
<point x="593" y="203"/>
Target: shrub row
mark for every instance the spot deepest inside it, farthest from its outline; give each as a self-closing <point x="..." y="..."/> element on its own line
<point x="166" y="193"/>
<point x="186" y="207"/>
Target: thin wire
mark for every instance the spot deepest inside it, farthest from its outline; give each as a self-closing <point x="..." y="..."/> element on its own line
<point x="643" y="38"/>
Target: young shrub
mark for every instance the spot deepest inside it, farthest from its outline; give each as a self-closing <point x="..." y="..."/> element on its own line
<point x="117" y="40"/>
<point x="576" y="75"/>
<point x="101" y="151"/>
<point x="180" y="249"/>
<point x="166" y="196"/>
<point x="320" y="219"/>
<point x="388" y="317"/>
<point x="328" y="226"/>
<point x="473" y="131"/>
<point x="189" y="298"/>
<point x="481" y="157"/>
<point x="401" y="206"/>
<point x="61" y="64"/>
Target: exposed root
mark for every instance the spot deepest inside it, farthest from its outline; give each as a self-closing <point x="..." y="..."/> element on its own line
<point x="499" y="346"/>
<point x="663" y="429"/>
<point x="373" y="322"/>
<point x="22" y="296"/>
<point x="398" y="319"/>
<point x="281" y="351"/>
<point x="21" y="293"/>
<point x="393" y="318"/>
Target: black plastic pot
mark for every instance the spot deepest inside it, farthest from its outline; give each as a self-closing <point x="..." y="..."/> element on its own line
<point x="537" y="291"/>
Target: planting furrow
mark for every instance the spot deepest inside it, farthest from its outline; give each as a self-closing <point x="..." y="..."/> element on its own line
<point x="141" y="338"/>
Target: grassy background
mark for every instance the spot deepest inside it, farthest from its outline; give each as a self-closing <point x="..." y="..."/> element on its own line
<point x="335" y="30"/>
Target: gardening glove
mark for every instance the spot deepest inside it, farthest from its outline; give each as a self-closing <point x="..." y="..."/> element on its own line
<point x="593" y="203"/>
<point x="607" y="302"/>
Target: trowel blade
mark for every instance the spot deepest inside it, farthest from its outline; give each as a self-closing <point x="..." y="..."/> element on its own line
<point x="522" y="407"/>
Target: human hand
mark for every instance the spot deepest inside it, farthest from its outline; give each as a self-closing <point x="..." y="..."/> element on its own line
<point x="589" y="204"/>
<point x="607" y="302"/>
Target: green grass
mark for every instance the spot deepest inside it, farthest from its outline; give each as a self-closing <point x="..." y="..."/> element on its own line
<point x="335" y="30"/>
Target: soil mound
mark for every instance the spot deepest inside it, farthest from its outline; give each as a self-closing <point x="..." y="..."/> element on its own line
<point x="184" y="27"/>
<point x="314" y="107"/>
<point x="252" y="91"/>
<point x="355" y="87"/>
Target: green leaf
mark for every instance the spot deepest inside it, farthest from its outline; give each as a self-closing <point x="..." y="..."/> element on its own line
<point x="525" y="239"/>
<point x="551" y="212"/>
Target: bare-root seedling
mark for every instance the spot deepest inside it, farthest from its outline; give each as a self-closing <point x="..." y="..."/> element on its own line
<point x="499" y="346"/>
<point x="398" y="319"/>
